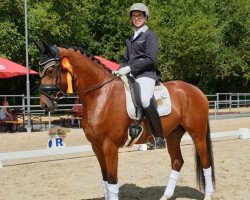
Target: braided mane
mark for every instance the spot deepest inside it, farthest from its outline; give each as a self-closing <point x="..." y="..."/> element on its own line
<point x="82" y="51"/>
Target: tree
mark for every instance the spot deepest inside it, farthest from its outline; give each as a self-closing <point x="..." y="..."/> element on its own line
<point x="206" y="43"/>
<point x="193" y="38"/>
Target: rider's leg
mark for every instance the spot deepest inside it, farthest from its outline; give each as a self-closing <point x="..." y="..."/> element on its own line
<point x="150" y="110"/>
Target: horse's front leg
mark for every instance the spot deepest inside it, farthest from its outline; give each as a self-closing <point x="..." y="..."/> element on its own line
<point x="111" y="158"/>
<point x="108" y="158"/>
<point x="101" y="159"/>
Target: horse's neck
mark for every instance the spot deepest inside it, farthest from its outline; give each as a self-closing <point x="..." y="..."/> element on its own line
<point x="88" y="74"/>
<point x="87" y="71"/>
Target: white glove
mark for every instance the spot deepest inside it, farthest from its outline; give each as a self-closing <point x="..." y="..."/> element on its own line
<point x="122" y="71"/>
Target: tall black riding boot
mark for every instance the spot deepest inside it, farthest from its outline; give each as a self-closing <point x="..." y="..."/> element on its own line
<point x="154" y="121"/>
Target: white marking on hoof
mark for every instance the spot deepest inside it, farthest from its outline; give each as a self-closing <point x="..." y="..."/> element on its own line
<point x="208" y="197"/>
<point x="163" y="198"/>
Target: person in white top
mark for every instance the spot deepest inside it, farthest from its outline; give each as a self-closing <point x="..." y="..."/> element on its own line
<point x="6" y="115"/>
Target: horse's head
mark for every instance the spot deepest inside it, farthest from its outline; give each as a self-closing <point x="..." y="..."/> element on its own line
<point x="56" y="76"/>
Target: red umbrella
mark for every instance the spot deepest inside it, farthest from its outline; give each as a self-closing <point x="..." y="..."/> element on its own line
<point x="111" y="65"/>
<point x="10" y="69"/>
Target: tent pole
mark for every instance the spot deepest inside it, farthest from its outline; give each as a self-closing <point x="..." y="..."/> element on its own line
<point x="27" y="67"/>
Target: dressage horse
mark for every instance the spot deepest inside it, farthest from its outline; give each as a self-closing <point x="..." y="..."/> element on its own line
<point x="105" y="120"/>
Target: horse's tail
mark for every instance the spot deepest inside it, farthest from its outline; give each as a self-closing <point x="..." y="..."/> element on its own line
<point x="199" y="170"/>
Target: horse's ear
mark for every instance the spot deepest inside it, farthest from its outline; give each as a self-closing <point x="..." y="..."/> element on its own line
<point x="39" y="46"/>
<point x="47" y="48"/>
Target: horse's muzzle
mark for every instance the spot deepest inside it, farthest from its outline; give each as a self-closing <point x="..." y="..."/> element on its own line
<point x="48" y="99"/>
<point x="47" y="104"/>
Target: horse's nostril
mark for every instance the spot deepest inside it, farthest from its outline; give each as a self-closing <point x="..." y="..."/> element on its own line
<point x="44" y="105"/>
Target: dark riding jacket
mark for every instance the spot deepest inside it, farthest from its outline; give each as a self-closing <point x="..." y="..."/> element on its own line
<point x="141" y="53"/>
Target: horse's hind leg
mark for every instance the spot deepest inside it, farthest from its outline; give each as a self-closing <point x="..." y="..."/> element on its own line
<point x="174" y="150"/>
<point x="204" y="159"/>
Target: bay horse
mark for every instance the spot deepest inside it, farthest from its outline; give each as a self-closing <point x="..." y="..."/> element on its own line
<point x="105" y="120"/>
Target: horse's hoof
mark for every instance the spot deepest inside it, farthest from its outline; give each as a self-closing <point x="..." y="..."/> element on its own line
<point x="163" y="198"/>
<point x="208" y="197"/>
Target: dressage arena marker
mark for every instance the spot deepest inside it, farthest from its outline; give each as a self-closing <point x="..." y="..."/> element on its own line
<point x="242" y="133"/>
<point x="56" y="142"/>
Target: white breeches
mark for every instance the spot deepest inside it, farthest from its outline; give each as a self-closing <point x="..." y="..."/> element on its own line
<point x="147" y="90"/>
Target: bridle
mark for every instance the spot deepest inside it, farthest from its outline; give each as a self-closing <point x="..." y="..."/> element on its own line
<point x="48" y="90"/>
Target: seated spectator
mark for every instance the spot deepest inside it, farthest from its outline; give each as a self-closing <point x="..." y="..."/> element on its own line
<point x="77" y="112"/>
<point x="6" y="115"/>
<point x="77" y="108"/>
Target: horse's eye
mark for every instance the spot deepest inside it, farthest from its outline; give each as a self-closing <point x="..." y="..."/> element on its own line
<point x="50" y="71"/>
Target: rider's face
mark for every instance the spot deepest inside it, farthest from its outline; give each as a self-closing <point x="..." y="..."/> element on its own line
<point x="138" y="18"/>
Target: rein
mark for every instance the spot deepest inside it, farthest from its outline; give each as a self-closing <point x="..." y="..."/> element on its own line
<point x="95" y="87"/>
<point x="89" y="89"/>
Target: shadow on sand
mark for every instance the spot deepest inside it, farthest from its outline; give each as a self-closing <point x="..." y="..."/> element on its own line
<point x="133" y="192"/>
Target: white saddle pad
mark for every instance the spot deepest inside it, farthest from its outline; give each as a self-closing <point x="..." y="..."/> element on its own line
<point x="162" y="97"/>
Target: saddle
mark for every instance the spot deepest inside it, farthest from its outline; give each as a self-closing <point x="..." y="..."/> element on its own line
<point x="135" y="92"/>
<point x="135" y="109"/>
<point x="133" y="101"/>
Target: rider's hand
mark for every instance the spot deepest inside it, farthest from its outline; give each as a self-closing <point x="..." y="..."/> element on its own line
<point x="122" y="71"/>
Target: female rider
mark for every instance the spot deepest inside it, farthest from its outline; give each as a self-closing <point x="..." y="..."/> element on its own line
<point x="139" y="59"/>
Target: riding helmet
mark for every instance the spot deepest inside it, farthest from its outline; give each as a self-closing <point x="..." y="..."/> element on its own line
<point x="139" y="7"/>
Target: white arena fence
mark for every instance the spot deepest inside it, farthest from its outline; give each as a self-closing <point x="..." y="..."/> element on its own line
<point x="243" y="133"/>
<point x="216" y="102"/>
